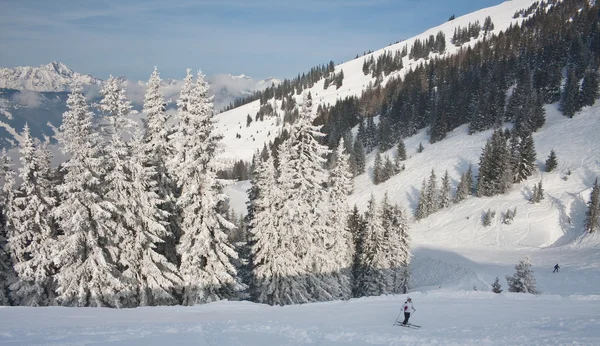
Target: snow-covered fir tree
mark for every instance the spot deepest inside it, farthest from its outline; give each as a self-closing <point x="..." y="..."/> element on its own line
<point x="495" y="168"/>
<point x="422" y="211"/>
<point x="551" y="162"/>
<point x="279" y="274"/>
<point x="206" y="269"/>
<point x="496" y="286"/>
<point x="432" y="194"/>
<point x="376" y="263"/>
<point x="158" y="150"/>
<point x="149" y="278"/>
<point x="592" y="215"/>
<point x="341" y="185"/>
<point x="524" y="158"/>
<point x="397" y="246"/>
<point x="523" y="280"/>
<point x="357" y="228"/>
<point x="359" y="154"/>
<point x="444" y="197"/>
<point x="302" y="178"/>
<point x="464" y="186"/>
<point x="378" y="174"/>
<point x="87" y="252"/>
<point x="33" y="237"/>
<point x="7" y="275"/>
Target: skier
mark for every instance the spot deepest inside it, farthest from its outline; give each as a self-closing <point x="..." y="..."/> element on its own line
<point x="556" y="268"/>
<point x="407" y="308"/>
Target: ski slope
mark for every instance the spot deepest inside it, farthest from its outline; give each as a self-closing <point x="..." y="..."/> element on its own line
<point x="446" y="317"/>
<point x="253" y="137"/>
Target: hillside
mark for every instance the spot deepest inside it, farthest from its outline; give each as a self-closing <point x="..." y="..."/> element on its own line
<point x="253" y="137"/>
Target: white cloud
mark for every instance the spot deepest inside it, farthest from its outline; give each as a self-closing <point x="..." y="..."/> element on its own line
<point x="28" y="98"/>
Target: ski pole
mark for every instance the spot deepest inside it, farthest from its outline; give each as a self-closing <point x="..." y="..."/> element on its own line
<point x="397" y="317"/>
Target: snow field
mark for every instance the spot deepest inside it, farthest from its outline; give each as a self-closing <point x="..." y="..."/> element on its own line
<point x="447" y="317"/>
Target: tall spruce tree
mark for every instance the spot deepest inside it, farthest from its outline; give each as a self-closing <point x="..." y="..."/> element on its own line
<point x="357" y="228"/>
<point x="33" y="239"/>
<point x="551" y="162"/>
<point x="86" y="251"/>
<point x="157" y="151"/>
<point x="302" y="177"/>
<point x="464" y="186"/>
<point x="589" y="87"/>
<point x="340" y="186"/>
<point x="524" y="162"/>
<point x="570" y="99"/>
<point x="359" y="154"/>
<point x="592" y="216"/>
<point x="7" y="274"/>
<point x="444" y="196"/>
<point x="422" y="210"/>
<point x="378" y="173"/>
<point x="432" y="194"/>
<point x="376" y="264"/>
<point x="206" y="269"/>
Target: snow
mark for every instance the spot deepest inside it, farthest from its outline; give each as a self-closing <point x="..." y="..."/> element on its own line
<point x="446" y="317"/>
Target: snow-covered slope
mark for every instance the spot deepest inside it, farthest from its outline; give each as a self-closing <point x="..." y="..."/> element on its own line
<point x="447" y="318"/>
<point x="53" y="77"/>
<point x="233" y="122"/>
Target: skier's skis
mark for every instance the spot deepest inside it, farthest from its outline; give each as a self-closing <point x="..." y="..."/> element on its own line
<point x="408" y="325"/>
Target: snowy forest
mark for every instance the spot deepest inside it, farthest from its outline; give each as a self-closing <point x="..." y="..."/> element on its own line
<point x="136" y="216"/>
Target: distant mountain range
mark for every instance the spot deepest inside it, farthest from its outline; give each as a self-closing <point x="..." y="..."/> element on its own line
<point x="37" y="95"/>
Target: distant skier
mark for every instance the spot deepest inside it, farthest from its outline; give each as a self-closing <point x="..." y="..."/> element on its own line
<point x="407" y="308"/>
<point x="556" y="268"/>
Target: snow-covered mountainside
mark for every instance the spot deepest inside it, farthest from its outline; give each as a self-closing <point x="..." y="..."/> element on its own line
<point x="233" y="123"/>
<point x="53" y="77"/>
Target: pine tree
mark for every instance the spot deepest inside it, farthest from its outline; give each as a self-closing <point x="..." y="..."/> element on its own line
<point x="206" y="269"/>
<point x="396" y="246"/>
<point x="464" y="186"/>
<point x="422" y="210"/>
<point x="523" y="280"/>
<point x="432" y="194"/>
<point x="158" y="150"/>
<point x="444" y="197"/>
<point x="496" y="287"/>
<point x="589" y="87"/>
<point x="279" y="276"/>
<point x="420" y="148"/>
<point x="537" y="194"/>
<point x="359" y="154"/>
<point x="87" y="253"/>
<point x="377" y="275"/>
<point x="359" y="273"/>
<point x="389" y="169"/>
<point x="551" y="162"/>
<point x="592" y="219"/>
<point x="525" y="161"/>
<point x="340" y="186"/>
<point x="7" y="275"/>
<point x="33" y="239"/>
<point x="570" y="96"/>
<point x="302" y="178"/>
<point x="378" y="175"/>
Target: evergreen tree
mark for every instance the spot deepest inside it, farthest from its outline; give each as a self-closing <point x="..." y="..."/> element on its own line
<point x="420" y="148"/>
<point x="378" y="175"/>
<point x="400" y="155"/>
<point x="592" y="219"/>
<point x="389" y="169"/>
<point x="525" y="160"/>
<point x="340" y="186"/>
<point x="279" y="276"/>
<point x="359" y="269"/>
<point x="551" y="162"/>
<point x="302" y="178"/>
<point x="570" y="96"/>
<point x="496" y="287"/>
<point x="589" y="87"/>
<point x="7" y="274"/>
<point x="377" y="275"/>
<point x="157" y="150"/>
<point x="32" y="241"/>
<point x="422" y="210"/>
<point x="464" y="186"/>
<point x="538" y="193"/>
<point x="495" y="168"/>
<point x="359" y="154"/>
<point x="86" y="251"/>
<point x="444" y="197"/>
<point x="397" y="247"/>
<point x="206" y="269"/>
<point x="432" y="194"/>
<point x="523" y="280"/>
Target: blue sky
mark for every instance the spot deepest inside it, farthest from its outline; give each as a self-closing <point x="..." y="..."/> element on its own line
<point x="260" y="38"/>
